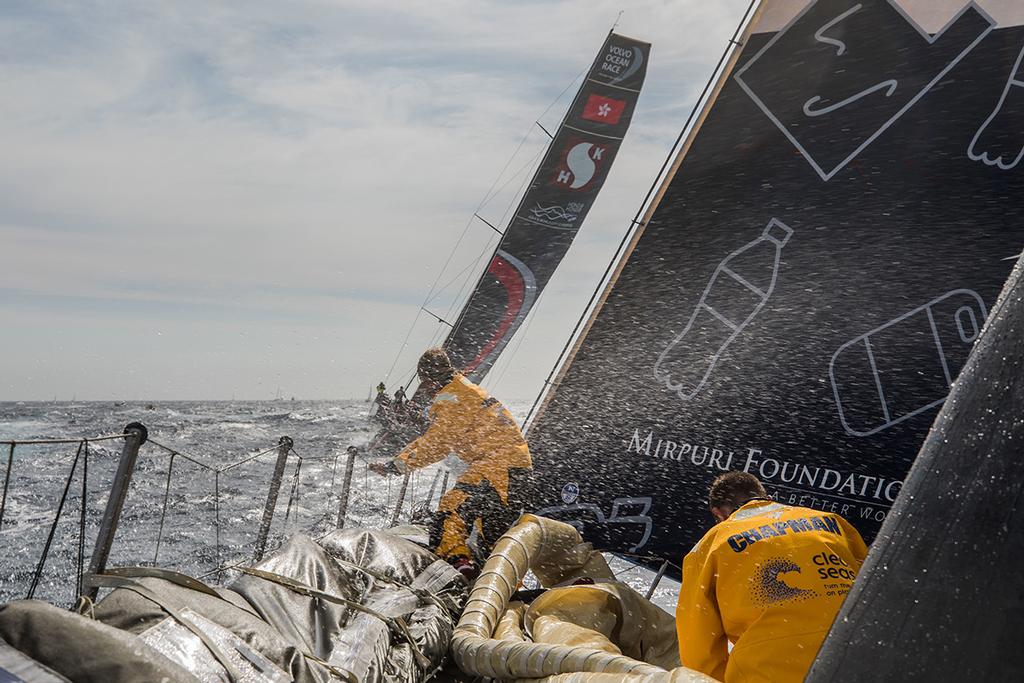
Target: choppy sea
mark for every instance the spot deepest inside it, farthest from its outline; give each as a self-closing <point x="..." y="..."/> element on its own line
<point x="199" y="488"/>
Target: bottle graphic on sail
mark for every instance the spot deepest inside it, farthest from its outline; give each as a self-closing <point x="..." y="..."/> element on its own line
<point x="738" y="290"/>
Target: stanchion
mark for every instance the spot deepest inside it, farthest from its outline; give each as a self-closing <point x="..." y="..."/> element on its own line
<point x="346" y="486"/>
<point x="401" y="497"/>
<point x="657" y="579"/>
<point x="284" y="447"/>
<point x="135" y="435"/>
<point x="433" y="487"/>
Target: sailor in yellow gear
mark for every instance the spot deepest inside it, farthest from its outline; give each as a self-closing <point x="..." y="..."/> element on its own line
<point x="477" y="428"/>
<point x="768" y="578"/>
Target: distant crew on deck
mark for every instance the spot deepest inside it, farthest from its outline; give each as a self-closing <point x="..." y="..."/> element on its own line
<point x="769" y="578"/>
<point x="399" y="404"/>
<point x="383" y="402"/>
<point x="466" y="421"/>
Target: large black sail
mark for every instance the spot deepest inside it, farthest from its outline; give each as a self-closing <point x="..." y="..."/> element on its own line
<point x="812" y="280"/>
<point x="553" y="207"/>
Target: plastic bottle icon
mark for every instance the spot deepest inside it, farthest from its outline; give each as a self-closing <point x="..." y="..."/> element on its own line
<point x="999" y="141"/>
<point x="738" y="290"/>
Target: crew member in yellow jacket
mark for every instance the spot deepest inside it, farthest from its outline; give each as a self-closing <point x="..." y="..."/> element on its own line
<point x="477" y="428"/>
<point x="769" y="578"/>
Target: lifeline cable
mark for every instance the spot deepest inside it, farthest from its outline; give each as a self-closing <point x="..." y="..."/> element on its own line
<point x="163" y="510"/>
<point x="53" y="527"/>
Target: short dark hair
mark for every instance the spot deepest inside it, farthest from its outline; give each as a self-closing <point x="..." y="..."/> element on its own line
<point x="435" y="365"/>
<point x="733" y="489"/>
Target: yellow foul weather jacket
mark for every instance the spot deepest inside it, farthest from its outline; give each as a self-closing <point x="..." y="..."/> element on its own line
<point x="477" y="428"/>
<point x="769" y="579"/>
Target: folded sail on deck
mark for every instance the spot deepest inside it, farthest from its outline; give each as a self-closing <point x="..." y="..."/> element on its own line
<point x="553" y="207"/>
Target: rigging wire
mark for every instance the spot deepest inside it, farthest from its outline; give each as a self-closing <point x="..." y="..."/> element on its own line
<point x="451" y="254"/>
<point x="636" y="223"/>
<point x="480" y="261"/>
<point x="522" y="169"/>
<point x="536" y="122"/>
<point x="474" y="265"/>
<point x="522" y="333"/>
<point x="488" y="252"/>
<point x="487" y="198"/>
<point x="405" y="341"/>
<point x="533" y="165"/>
<point x="527" y="166"/>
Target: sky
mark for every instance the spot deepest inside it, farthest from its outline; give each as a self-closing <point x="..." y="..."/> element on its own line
<point x="212" y="201"/>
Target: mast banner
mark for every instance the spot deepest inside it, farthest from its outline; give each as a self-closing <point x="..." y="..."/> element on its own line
<point x="553" y="208"/>
<point x="812" y="280"/>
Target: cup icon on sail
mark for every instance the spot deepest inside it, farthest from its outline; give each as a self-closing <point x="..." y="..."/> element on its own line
<point x="905" y="367"/>
<point x="738" y="290"/>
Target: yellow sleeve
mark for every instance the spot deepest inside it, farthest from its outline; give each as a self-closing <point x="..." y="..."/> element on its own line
<point x="703" y="645"/>
<point x="436" y="442"/>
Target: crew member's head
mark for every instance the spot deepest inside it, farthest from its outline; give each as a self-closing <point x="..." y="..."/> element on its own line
<point x="730" y="491"/>
<point x="435" y="367"/>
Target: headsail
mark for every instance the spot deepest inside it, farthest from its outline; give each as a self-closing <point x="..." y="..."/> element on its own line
<point x="810" y="283"/>
<point x="553" y="208"/>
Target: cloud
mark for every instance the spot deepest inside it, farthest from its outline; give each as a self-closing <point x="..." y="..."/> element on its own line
<point x="301" y="168"/>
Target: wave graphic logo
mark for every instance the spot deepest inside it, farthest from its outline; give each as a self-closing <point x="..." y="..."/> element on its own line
<point x="769" y="587"/>
<point x="582" y="161"/>
<point x="562" y="214"/>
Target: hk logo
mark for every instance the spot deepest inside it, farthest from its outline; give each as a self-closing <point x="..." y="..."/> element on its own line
<point x="843" y="72"/>
<point x="580" y="165"/>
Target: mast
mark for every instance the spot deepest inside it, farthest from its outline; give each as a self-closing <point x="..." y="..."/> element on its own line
<point x="553" y="208"/>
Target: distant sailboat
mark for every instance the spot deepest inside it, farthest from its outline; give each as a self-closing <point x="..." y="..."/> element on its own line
<point x="553" y="208"/>
<point x="551" y="211"/>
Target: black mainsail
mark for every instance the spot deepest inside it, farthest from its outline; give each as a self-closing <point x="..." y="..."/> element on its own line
<point x="553" y="207"/>
<point x="810" y="282"/>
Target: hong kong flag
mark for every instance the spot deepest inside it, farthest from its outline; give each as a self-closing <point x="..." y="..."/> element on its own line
<point x="603" y="109"/>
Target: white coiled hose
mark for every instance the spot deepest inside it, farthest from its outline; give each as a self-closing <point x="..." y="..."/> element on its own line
<point x="556" y="553"/>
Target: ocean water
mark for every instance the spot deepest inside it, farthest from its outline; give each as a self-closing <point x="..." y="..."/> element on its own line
<point x="196" y="510"/>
